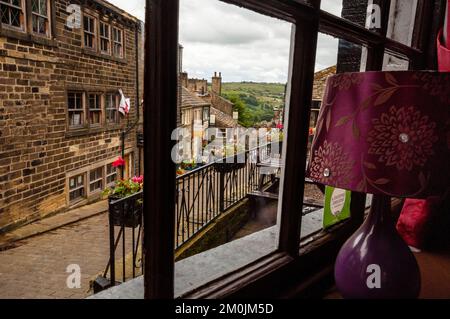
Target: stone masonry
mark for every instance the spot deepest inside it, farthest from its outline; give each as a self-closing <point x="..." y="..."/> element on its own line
<point x="38" y="149"/>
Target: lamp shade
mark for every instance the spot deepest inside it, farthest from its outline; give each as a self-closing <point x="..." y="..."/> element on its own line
<point x="384" y="133"/>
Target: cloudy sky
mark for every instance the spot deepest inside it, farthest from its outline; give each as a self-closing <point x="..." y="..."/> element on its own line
<point x="243" y="45"/>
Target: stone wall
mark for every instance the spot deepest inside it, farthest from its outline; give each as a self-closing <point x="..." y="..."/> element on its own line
<point x="221" y="104"/>
<point x="219" y="232"/>
<point x="37" y="150"/>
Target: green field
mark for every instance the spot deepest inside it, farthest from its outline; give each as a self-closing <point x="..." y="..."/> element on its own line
<point x="255" y="102"/>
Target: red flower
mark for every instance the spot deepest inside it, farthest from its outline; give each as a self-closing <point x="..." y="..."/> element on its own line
<point x="119" y="162"/>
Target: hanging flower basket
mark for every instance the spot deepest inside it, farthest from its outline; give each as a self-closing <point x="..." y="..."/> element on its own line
<point x="125" y="202"/>
<point x="126" y="211"/>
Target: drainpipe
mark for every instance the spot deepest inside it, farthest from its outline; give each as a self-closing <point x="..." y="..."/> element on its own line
<point x="128" y="129"/>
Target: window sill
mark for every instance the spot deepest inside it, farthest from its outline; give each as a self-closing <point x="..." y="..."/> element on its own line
<point x="90" y="131"/>
<point x="96" y="54"/>
<point x="27" y="37"/>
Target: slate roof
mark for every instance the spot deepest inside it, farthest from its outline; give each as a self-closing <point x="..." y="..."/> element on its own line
<point x="189" y="99"/>
<point x="223" y="120"/>
<point x="320" y="81"/>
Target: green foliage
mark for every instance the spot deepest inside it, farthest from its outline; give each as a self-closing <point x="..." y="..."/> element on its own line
<point x="255" y="102"/>
<point x="123" y="188"/>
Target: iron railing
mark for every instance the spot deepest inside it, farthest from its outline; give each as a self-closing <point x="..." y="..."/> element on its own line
<point x="205" y="193"/>
<point x="201" y="196"/>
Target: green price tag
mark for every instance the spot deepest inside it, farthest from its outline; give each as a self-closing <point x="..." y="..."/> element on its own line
<point x="337" y="206"/>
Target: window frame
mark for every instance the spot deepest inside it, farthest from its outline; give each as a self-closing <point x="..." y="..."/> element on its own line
<point x="161" y="79"/>
<point x="82" y="110"/>
<point x="78" y="199"/>
<point x="93" y="34"/>
<point x="114" y="42"/>
<point x="98" y="109"/>
<point x="100" y="37"/>
<point x="107" y="175"/>
<point x="116" y="98"/>
<point x="48" y="18"/>
<point x="23" y="16"/>
<point x="101" y="180"/>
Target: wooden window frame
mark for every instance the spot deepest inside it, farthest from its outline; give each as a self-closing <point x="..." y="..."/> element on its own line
<point x="101" y="179"/>
<point x="98" y="109"/>
<point x="93" y="34"/>
<point x="114" y="42"/>
<point x="290" y="260"/>
<point x="107" y="175"/>
<point x="23" y="17"/>
<point x="31" y="14"/>
<point x="84" y="186"/>
<point x="100" y="37"/>
<point x="116" y="98"/>
<point x="82" y="110"/>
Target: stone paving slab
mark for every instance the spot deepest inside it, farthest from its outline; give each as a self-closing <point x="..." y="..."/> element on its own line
<point x="37" y="267"/>
<point x="51" y="223"/>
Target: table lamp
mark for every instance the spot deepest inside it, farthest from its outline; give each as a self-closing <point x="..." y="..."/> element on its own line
<point x="387" y="134"/>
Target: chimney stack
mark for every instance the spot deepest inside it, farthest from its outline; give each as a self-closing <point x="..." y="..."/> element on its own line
<point x="216" y="84"/>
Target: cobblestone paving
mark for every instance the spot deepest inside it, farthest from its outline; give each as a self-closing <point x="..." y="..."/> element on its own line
<point x="36" y="267"/>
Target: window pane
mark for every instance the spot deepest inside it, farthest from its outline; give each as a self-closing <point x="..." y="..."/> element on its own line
<point x="324" y="207"/>
<point x="229" y="162"/>
<point x="401" y="23"/>
<point x="362" y="12"/>
<point x="394" y="63"/>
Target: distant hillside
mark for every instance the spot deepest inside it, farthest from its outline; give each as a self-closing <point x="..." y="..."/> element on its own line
<point x="255" y="102"/>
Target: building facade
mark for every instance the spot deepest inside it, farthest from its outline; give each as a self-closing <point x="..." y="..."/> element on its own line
<point x="61" y="66"/>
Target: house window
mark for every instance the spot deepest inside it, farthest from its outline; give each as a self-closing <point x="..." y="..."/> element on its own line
<point x="96" y="180"/>
<point x="206" y="114"/>
<point x="75" y="109"/>
<point x="111" y="174"/>
<point x="39" y="16"/>
<point x="89" y="32"/>
<point x="104" y="38"/>
<point x="111" y="108"/>
<point x="186" y="117"/>
<point x="117" y="42"/>
<point x="11" y="13"/>
<point x="76" y="188"/>
<point x="198" y="115"/>
<point x="95" y="109"/>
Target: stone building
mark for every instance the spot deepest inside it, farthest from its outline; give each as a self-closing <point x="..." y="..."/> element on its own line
<point x="61" y="66"/>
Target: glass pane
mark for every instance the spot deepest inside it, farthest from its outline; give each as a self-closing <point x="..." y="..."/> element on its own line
<point x="402" y="19"/>
<point x="43" y="7"/>
<point x="230" y="158"/>
<point x="4" y="14"/>
<point x="324" y="207"/>
<point x="362" y="12"/>
<point x="15" y="17"/>
<point x="35" y="6"/>
<point x="394" y="63"/>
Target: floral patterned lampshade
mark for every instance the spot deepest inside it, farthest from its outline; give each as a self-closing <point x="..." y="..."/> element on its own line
<point x="384" y="133"/>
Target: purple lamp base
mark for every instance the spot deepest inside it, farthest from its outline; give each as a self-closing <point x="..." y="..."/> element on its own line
<point x="375" y="262"/>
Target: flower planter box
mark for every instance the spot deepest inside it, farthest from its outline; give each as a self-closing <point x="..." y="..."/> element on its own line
<point x="126" y="211"/>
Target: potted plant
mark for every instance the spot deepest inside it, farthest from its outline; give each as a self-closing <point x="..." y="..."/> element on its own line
<point x="125" y="202"/>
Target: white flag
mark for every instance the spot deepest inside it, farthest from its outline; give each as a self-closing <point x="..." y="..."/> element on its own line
<point x="124" y="106"/>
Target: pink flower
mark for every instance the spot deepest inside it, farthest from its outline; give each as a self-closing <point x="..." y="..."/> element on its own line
<point x="119" y="162"/>
<point x="138" y="179"/>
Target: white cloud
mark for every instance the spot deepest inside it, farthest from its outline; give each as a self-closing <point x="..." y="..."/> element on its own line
<point x="243" y="45"/>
